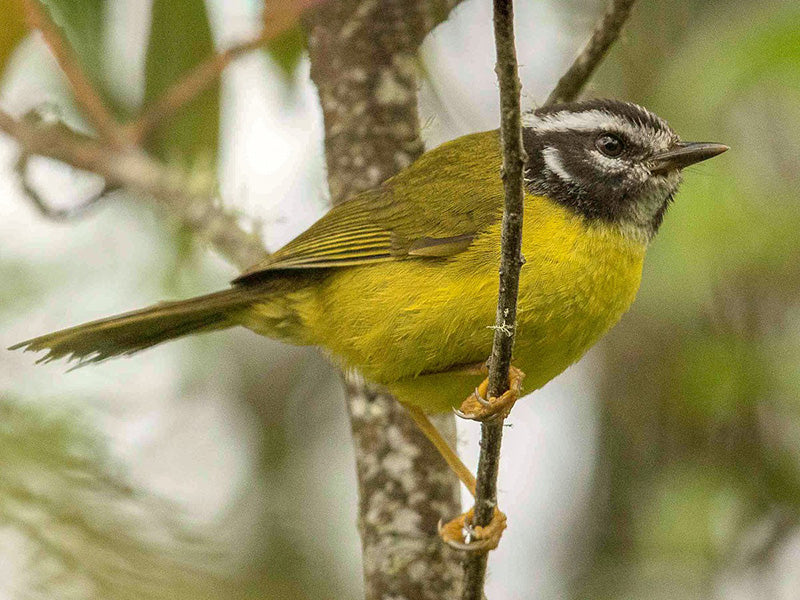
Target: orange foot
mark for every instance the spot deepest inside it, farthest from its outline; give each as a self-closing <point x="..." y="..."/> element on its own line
<point x="479" y="408"/>
<point x="462" y="535"/>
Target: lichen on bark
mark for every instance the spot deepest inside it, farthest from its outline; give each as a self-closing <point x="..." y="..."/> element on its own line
<point x="362" y="61"/>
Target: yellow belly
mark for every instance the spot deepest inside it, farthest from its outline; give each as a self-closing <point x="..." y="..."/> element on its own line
<point x="406" y="324"/>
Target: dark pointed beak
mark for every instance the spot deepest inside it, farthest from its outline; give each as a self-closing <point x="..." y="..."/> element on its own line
<point x="683" y="154"/>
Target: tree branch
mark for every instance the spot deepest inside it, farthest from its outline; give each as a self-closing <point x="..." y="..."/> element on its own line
<point x="192" y="201"/>
<point x="55" y="214"/>
<point x="87" y="97"/>
<point x="176" y="97"/>
<point x="510" y="264"/>
<point x="604" y="35"/>
<point x="363" y="64"/>
<point x="203" y="75"/>
<point x="189" y="87"/>
<point x="569" y="86"/>
<point x="118" y="159"/>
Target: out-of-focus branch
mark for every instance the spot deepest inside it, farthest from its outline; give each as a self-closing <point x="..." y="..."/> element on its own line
<point x="56" y="214"/>
<point x="191" y="200"/>
<point x="189" y="87"/>
<point x="603" y="37"/>
<point x="282" y="16"/>
<point x="117" y="158"/>
<point x="85" y="94"/>
<point x="510" y="264"/>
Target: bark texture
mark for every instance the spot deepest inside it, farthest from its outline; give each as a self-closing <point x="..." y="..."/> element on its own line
<point x="363" y="64"/>
<point x="363" y="55"/>
<point x="405" y="489"/>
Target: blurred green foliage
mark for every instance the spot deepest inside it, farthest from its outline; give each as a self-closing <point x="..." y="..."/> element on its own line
<point x="697" y="378"/>
<point x="83" y="25"/>
<point x="286" y="50"/>
<point x="180" y="39"/>
<point x="12" y="31"/>
<point x="88" y="534"/>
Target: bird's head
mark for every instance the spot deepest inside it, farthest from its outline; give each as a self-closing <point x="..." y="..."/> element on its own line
<point x="608" y="160"/>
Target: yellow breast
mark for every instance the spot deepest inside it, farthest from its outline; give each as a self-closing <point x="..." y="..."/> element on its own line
<point x="579" y="280"/>
<point x="403" y="322"/>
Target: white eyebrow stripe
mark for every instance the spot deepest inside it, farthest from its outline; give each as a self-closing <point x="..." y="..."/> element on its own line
<point x="589" y="120"/>
<point x="552" y="158"/>
<point x="596" y="120"/>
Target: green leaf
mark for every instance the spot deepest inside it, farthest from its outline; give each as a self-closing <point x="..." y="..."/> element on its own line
<point x="11" y="32"/>
<point x="83" y="24"/>
<point x="286" y="50"/>
<point x="180" y="39"/>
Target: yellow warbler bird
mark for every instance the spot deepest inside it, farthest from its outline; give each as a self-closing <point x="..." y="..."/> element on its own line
<point x="400" y="281"/>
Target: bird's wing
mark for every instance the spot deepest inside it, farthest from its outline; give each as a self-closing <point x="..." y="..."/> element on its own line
<point x="432" y="209"/>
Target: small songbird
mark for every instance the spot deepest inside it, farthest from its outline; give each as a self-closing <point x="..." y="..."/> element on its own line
<point x="400" y="282"/>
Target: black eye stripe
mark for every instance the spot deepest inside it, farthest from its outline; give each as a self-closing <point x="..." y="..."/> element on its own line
<point x="610" y="144"/>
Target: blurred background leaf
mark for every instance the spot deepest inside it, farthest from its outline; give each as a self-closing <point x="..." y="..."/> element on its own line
<point x="180" y="39"/>
<point x="286" y="49"/>
<point x="85" y="529"/>
<point x="12" y="31"/>
<point x="83" y="25"/>
<point x="692" y="465"/>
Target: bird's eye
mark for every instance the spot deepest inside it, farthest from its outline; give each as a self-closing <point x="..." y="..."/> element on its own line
<point x="609" y="144"/>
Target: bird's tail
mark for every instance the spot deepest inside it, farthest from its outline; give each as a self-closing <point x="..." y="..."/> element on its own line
<point x="134" y="331"/>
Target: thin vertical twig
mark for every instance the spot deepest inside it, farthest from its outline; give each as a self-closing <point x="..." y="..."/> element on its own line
<point x="569" y="86"/>
<point x="510" y="264"/>
<point x="605" y="33"/>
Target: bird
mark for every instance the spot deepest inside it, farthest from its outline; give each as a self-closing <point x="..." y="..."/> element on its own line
<point x="400" y="282"/>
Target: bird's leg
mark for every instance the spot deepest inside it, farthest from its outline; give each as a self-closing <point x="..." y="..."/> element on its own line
<point x="460" y="533"/>
<point x="448" y="454"/>
<point x="479" y="408"/>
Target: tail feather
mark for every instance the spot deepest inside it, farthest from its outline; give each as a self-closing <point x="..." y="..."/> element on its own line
<point x="134" y="331"/>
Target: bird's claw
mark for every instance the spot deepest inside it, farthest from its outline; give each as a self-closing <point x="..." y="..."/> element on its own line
<point x="460" y="534"/>
<point x="459" y="414"/>
<point x="479" y="397"/>
<point x="478" y="408"/>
